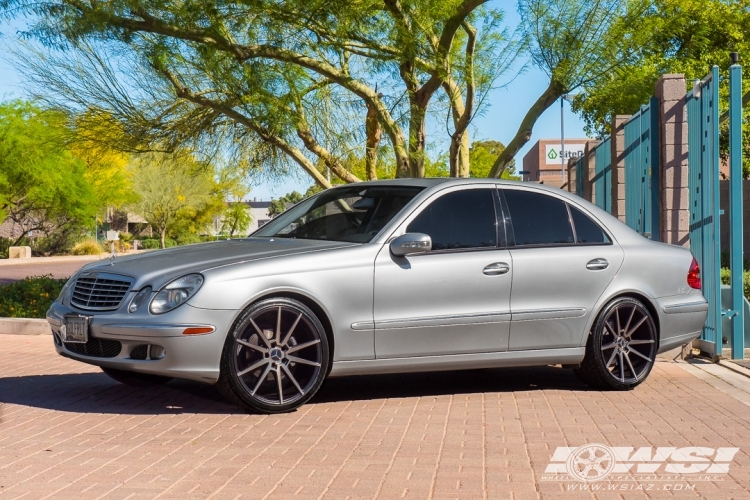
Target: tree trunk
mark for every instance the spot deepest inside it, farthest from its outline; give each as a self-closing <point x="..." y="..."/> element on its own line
<point x="417" y="137"/>
<point x="374" y="133"/>
<point x="523" y="134"/>
<point x="163" y="234"/>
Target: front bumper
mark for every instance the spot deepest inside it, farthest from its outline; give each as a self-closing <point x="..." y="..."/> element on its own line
<point x="150" y="344"/>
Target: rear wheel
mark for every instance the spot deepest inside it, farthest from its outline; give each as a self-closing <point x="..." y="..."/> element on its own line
<point x="135" y="379"/>
<point x="621" y="350"/>
<point x="275" y="358"/>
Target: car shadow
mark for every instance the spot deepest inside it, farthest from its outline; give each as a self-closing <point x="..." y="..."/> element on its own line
<point x="97" y="393"/>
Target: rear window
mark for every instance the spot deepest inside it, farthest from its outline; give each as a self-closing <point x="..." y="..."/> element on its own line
<point x="538" y="219"/>
<point x="588" y="232"/>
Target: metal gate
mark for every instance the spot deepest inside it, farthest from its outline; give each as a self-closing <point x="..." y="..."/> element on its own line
<point x="703" y="182"/>
<point x="603" y="175"/>
<point x="642" y="170"/>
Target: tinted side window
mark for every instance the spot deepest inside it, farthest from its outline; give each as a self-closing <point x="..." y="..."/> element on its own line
<point x="587" y="231"/>
<point x="538" y="219"/>
<point x="461" y="219"/>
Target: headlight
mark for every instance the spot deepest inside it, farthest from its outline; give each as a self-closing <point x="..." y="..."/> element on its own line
<point x="139" y="299"/>
<point x="175" y="293"/>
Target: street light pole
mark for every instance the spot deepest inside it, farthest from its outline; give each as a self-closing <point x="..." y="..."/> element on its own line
<point x="562" y="136"/>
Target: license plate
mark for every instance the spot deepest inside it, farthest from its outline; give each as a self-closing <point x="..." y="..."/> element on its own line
<point x="76" y="329"/>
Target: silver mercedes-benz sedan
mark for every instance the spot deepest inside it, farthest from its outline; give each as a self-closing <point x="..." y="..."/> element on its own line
<point x="389" y="276"/>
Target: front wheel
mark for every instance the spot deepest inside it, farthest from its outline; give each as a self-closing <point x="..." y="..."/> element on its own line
<point x="621" y="349"/>
<point x="275" y="358"/>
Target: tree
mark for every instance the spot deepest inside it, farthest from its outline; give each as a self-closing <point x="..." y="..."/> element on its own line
<point x="674" y="36"/>
<point x="269" y="67"/>
<point x="574" y="42"/>
<point x="174" y="190"/>
<point x="483" y="155"/>
<point x="42" y="184"/>
<point x="280" y="204"/>
<point x="236" y="217"/>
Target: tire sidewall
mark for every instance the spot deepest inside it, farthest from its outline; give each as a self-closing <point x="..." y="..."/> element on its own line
<point x="597" y="340"/>
<point x="228" y="367"/>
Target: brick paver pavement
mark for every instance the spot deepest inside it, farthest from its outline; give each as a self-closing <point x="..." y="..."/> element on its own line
<point x="67" y="431"/>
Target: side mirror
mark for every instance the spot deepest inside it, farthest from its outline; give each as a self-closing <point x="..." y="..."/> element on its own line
<point x="410" y="243"/>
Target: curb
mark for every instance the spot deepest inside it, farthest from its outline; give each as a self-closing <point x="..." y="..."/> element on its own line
<point x="24" y="326"/>
<point x="735" y="367"/>
<point x="65" y="258"/>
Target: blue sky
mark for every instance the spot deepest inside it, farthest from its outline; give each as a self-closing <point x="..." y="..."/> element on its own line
<point x="507" y="107"/>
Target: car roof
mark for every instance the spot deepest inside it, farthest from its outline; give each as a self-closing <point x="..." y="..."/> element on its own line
<point x="429" y="182"/>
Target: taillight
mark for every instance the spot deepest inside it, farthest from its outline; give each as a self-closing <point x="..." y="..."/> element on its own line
<point x="694" y="275"/>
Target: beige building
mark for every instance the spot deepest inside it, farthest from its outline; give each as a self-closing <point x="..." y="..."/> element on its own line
<point x="544" y="162"/>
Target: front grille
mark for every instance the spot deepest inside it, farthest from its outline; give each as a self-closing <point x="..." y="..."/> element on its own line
<point x="100" y="291"/>
<point x="97" y="348"/>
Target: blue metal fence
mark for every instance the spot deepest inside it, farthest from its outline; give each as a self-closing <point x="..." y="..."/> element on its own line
<point x="703" y="182"/>
<point x="642" y="170"/>
<point x="735" y="211"/>
<point x="603" y="175"/>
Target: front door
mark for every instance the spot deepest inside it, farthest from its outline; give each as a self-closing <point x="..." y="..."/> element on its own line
<point x="454" y="299"/>
<point x="562" y="263"/>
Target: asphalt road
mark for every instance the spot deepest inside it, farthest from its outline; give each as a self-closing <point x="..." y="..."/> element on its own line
<point x="11" y="273"/>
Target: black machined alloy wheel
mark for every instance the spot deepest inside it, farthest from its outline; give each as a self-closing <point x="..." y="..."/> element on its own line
<point x="275" y="358"/>
<point x="621" y="350"/>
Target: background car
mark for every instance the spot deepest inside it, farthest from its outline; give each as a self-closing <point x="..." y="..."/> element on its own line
<point x="390" y="276"/>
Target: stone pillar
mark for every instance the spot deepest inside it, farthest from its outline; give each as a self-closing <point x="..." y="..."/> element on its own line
<point x="618" y="166"/>
<point x="571" y="174"/>
<point x="674" y="198"/>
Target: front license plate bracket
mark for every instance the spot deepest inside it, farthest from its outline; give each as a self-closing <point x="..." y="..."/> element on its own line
<point x="75" y="329"/>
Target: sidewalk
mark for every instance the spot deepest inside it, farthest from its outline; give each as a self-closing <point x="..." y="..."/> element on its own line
<point x="69" y="432"/>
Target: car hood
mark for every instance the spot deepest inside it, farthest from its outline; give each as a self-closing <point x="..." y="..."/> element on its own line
<point x="159" y="267"/>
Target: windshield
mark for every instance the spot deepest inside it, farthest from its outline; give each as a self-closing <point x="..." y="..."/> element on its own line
<point x="353" y="214"/>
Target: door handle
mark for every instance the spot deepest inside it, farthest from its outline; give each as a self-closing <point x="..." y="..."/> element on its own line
<point x="496" y="268"/>
<point x="597" y="264"/>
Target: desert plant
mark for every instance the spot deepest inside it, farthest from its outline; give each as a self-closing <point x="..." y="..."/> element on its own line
<point x="87" y="247"/>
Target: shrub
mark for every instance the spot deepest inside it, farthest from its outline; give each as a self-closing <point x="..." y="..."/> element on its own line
<point x="87" y="247"/>
<point x="29" y="297"/>
<point x="155" y="243"/>
<point x="726" y="279"/>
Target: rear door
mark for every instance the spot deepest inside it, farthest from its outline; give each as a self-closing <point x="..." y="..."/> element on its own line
<point x="562" y="262"/>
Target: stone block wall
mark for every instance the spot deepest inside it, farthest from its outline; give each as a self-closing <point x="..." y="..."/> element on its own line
<point x="673" y="156"/>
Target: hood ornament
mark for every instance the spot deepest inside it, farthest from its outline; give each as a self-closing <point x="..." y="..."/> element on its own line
<point x="112" y="236"/>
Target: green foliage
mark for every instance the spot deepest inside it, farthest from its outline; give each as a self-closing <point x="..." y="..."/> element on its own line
<point x="88" y="247"/>
<point x="672" y="36"/>
<point x="30" y="297"/>
<point x="153" y="243"/>
<point x="726" y="279"/>
<point x="280" y="204"/>
<point x="178" y="194"/>
<point x="482" y="156"/>
<point x="42" y="185"/>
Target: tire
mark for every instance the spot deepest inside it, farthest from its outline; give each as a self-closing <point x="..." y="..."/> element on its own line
<point x="135" y="379"/>
<point x="621" y="348"/>
<point x="275" y="358"/>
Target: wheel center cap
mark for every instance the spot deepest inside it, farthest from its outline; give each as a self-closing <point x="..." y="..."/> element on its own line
<point x="276" y="354"/>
